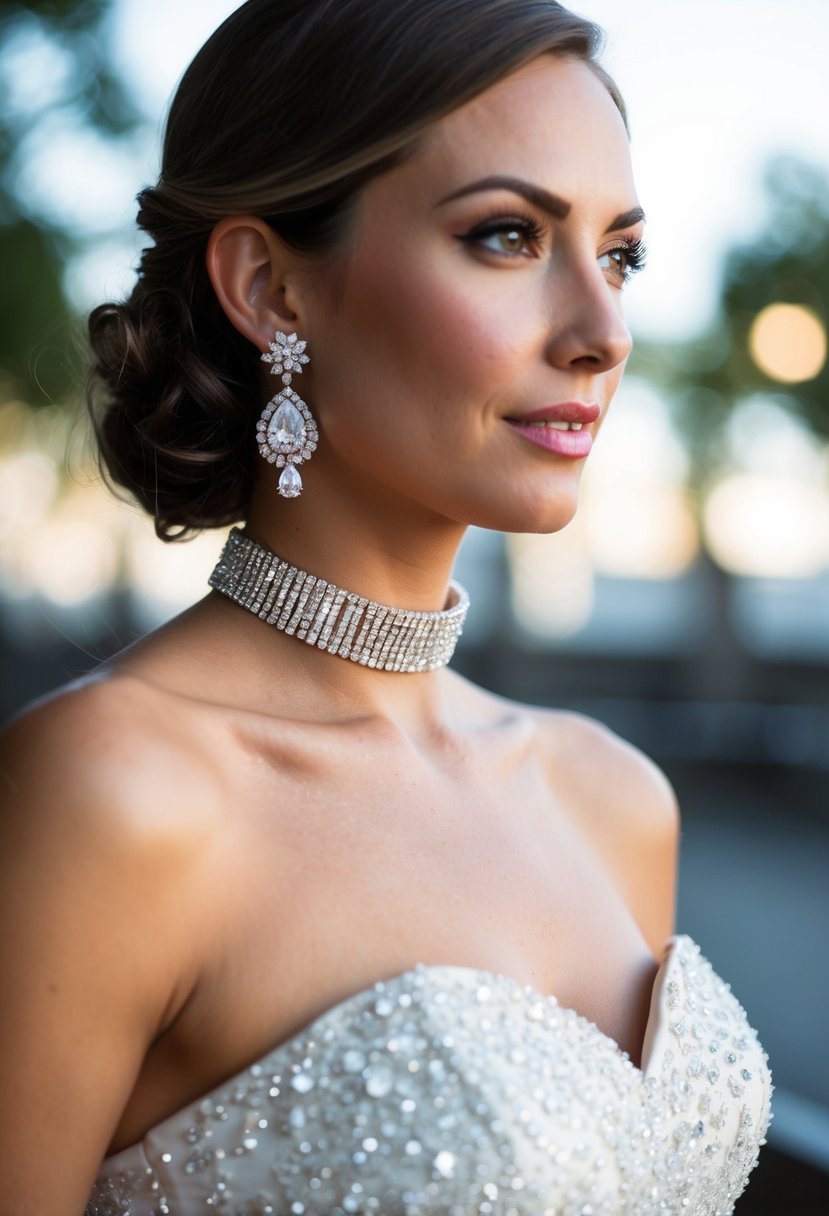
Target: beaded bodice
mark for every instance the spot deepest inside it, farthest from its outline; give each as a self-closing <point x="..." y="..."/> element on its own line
<point x="454" y="1091"/>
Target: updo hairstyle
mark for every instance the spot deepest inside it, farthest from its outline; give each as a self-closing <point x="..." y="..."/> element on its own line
<point x="285" y="113"/>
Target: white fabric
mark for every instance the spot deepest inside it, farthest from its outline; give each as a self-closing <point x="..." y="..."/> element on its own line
<point x="456" y="1091"/>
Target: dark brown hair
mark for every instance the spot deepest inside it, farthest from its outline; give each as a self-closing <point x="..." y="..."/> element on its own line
<point x="286" y="111"/>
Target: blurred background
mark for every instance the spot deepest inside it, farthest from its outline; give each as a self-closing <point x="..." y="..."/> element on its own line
<point x="687" y="605"/>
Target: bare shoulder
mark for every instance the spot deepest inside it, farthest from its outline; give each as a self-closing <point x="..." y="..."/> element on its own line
<point x="111" y="748"/>
<point x="103" y="848"/>
<point x="626" y="808"/>
<point x="104" y="788"/>
<point x="108" y="804"/>
<point x="616" y="781"/>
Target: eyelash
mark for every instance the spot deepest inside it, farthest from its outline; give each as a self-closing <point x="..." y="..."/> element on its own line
<point x="530" y="228"/>
<point x="636" y="254"/>
<point x="533" y="232"/>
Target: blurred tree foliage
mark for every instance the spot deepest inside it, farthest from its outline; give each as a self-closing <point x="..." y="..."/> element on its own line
<point x="53" y="63"/>
<point x="788" y="262"/>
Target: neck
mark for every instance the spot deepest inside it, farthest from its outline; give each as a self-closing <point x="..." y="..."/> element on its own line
<point x="394" y="553"/>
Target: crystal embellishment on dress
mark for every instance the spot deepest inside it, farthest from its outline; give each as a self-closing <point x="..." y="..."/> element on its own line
<point x="286" y="431"/>
<point x="421" y="1097"/>
<point x="333" y="619"/>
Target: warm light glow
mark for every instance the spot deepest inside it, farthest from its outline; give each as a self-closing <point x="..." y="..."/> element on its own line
<point x="28" y="488"/>
<point x="637" y="518"/>
<point x="66" y="546"/>
<point x="768" y="526"/>
<point x="641" y="529"/>
<point x="552" y="582"/>
<point x="70" y="560"/>
<point x="788" y="343"/>
<point x="169" y="578"/>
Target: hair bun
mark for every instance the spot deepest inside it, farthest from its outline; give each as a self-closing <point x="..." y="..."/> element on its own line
<point x="172" y="425"/>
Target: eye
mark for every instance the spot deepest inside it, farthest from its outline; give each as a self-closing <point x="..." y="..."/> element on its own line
<point x="507" y="236"/>
<point x="624" y="260"/>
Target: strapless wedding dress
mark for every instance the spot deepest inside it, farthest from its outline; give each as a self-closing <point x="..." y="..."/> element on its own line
<point x="454" y="1091"/>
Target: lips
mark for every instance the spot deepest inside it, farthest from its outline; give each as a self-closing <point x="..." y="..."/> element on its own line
<point x="563" y="411"/>
<point x="548" y="427"/>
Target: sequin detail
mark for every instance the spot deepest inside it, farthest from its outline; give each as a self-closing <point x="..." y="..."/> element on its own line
<point x="454" y="1091"/>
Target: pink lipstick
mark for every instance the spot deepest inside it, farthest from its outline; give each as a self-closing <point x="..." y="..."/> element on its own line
<point x="559" y="428"/>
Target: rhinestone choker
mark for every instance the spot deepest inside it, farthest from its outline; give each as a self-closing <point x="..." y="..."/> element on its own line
<point x="333" y="619"/>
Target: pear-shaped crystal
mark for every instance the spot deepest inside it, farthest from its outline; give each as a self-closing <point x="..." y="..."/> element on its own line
<point x="287" y="427"/>
<point x="290" y="482"/>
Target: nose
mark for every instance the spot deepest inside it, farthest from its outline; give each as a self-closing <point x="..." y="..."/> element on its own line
<point x="587" y="328"/>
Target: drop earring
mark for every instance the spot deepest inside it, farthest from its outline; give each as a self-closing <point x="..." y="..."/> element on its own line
<point x="286" y="431"/>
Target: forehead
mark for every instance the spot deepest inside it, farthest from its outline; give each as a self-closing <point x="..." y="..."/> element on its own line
<point x="552" y="122"/>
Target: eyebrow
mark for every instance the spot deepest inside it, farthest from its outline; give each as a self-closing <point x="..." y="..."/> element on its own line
<point x="553" y="204"/>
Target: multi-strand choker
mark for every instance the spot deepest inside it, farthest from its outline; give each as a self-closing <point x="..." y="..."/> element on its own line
<point x="333" y="619"/>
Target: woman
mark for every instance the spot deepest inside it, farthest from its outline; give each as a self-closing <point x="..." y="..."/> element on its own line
<point x="284" y="927"/>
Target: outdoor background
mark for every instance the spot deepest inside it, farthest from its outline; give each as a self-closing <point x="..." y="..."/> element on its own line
<point x="687" y="605"/>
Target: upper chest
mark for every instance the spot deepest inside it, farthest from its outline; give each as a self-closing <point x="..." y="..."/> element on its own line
<point x="342" y="858"/>
<point x="351" y="855"/>
<point x="470" y="818"/>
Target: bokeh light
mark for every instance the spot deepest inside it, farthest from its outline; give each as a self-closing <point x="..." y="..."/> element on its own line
<point x="641" y="529"/>
<point x="788" y="343"/>
<point x="167" y="578"/>
<point x="638" y="517"/>
<point x="768" y="526"/>
<point x="551" y="582"/>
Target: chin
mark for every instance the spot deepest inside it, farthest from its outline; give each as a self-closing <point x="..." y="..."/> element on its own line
<point x="544" y="512"/>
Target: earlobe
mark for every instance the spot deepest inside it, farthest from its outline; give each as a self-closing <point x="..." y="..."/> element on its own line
<point x="246" y="263"/>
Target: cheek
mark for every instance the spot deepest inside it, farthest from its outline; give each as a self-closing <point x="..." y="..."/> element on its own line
<point x="427" y="328"/>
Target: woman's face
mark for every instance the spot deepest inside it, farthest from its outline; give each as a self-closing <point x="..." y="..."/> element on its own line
<point x="481" y="284"/>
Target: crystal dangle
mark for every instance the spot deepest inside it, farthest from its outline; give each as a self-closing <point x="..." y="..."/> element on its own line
<point x="286" y="431"/>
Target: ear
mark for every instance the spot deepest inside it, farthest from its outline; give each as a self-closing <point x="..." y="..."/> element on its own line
<point x="250" y="269"/>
